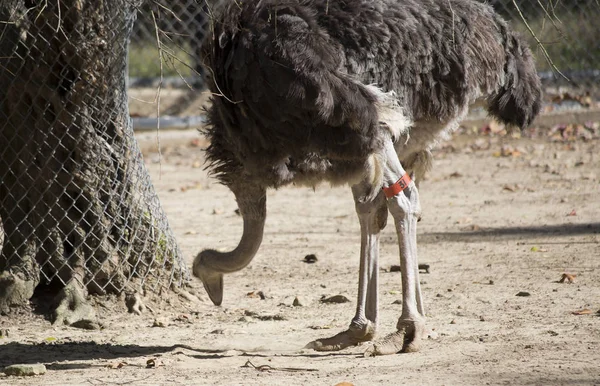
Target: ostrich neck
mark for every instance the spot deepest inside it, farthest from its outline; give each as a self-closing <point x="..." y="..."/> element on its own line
<point x="241" y="256"/>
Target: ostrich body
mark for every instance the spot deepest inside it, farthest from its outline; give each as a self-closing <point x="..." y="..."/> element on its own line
<point x="356" y="93"/>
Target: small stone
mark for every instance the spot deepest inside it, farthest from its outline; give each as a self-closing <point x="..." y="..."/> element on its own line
<point x="25" y="370"/>
<point x="481" y="318"/>
<point x="453" y="321"/>
<point x="523" y="293"/>
<point x="397" y="301"/>
<point x="218" y="331"/>
<point x="297" y="302"/>
<point x="395" y="268"/>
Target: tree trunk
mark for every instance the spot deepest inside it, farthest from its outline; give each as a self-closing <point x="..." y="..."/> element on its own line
<point x="76" y="202"/>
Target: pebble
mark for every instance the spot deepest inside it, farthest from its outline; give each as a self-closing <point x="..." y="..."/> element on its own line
<point x="25" y="370"/>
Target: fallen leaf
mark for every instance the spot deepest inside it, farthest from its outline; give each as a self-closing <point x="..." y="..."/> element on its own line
<point x="572" y="213"/>
<point x="568" y="278"/>
<point x="117" y="365"/>
<point x="320" y="327"/>
<point x="523" y="293"/>
<point x="183" y="318"/>
<point x="256" y="295"/>
<point x="335" y="299"/>
<point x="456" y="175"/>
<point x="585" y="311"/>
<point x="310" y="259"/>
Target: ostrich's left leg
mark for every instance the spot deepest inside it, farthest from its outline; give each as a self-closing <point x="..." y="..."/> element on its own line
<point x="372" y="216"/>
<point x="403" y="203"/>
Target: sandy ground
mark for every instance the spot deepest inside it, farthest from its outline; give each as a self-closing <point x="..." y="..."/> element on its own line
<point x="501" y="216"/>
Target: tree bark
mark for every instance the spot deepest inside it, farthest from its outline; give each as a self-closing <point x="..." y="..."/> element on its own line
<point x="76" y="202"/>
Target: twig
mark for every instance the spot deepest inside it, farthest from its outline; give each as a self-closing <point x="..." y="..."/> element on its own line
<point x="158" y="90"/>
<point x="538" y="41"/>
<point x="271" y="368"/>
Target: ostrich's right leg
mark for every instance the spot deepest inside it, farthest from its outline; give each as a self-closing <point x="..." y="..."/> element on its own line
<point x="372" y="216"/>
<point x="210" y="265"/>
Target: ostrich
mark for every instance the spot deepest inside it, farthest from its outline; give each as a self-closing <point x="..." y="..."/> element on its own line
<point x="352" y="92"/>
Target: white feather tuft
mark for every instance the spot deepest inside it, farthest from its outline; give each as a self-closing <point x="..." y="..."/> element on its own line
<point x="391" y="114"/>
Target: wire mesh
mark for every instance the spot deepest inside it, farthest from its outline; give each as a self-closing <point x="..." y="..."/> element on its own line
<point x="568" y="30"/>
<point x="76" y="201"/>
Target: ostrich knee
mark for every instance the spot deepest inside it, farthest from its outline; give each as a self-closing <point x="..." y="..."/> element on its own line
<point x="210" y="265"/>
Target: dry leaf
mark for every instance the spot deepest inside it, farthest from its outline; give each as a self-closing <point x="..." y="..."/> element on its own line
<point x="572" y="213"/>
<point x="568" y="278"/>
<point x="335" y="299"/>
<point x="310" y="259"/>
<point x="319" y="327"/>
<point x="585" y="311"/>
<point x="256" y="294"/>
<point x="117" y="365"/>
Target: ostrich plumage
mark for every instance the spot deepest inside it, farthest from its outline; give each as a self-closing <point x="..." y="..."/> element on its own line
<point x="351" y="92"/>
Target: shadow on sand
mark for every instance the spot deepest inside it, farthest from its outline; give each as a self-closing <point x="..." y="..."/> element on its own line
<point x="516" y="233"/>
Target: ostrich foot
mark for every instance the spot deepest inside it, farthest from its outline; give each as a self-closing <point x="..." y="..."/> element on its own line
<point x="212" y="280"/>
<point x="406" y="339"/>
<point x="73" y="309"/>
<point x="351" y="337"/>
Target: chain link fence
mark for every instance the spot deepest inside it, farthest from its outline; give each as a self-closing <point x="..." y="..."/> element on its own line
<point x="77" y="207"/>
<point x="568" y="30"/>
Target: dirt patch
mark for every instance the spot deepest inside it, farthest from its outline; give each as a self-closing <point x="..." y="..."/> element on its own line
<point x="501" y="217"/>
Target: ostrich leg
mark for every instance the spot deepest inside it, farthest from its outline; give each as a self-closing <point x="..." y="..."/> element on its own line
<point x="405" y="208"/>
<point x="210" y="265"/>
<point x="372" y="216"/>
